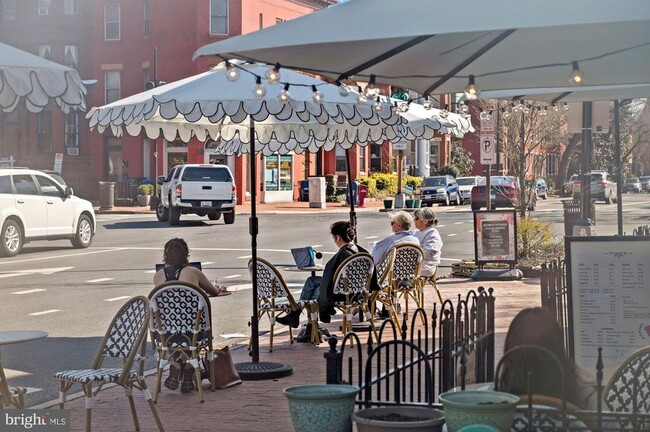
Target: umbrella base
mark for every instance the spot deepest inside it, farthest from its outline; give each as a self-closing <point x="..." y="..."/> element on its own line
<point x="251" y="371"/>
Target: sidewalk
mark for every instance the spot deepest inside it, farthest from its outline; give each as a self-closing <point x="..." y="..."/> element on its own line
<point x="261" y="405"/>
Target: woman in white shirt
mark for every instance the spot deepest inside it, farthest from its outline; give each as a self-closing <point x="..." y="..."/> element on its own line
<point x="429" y="238"/>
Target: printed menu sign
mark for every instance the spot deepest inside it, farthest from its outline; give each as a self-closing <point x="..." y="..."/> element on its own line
<point x="495" y="236"/>
<point x="608" y="283"/>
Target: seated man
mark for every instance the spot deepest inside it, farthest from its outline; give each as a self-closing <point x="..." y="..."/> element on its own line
<point x="401" y="223"/>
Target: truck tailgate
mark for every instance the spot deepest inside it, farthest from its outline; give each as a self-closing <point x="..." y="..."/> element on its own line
<point x="206" y="190"/>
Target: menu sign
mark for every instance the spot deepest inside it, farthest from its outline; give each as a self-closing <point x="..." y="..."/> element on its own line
<point x="608" y="284"/>
<point x="495" y="236"/>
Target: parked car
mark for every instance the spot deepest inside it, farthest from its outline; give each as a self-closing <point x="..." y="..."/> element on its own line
<point x="465" y="185"/>
<point x="568" y="186"/>
<point x="632" y="185"/>
<point x="440" y="189"/>
<point x="504" y="192"/>
<point x="601" y="185"/>
<point x="34" y="206"/>
<point x="645" y="183"/>
<point x="539" y="187"/>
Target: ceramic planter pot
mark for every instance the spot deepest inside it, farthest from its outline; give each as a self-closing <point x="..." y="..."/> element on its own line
<point x="417" y="203"/>
<point x="398" y="419"/>
<point x="321" y="408"/>
<point x="409" y="203"/>
<point x="388" y="204"/>
<point x="487" y="407"/>
<point x="143" y="200"/>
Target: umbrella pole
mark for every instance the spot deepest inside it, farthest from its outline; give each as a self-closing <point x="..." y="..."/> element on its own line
<point x="353" y="214"/>
<point x="619" y="168"/>
<point x="257" y="370"/>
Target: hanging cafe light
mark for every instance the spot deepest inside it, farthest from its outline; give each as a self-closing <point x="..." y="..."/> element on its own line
<point x="273" y="74"/>
<point x="472" y="92"/>
<point x="576" y="76"/>
<point x="284" y="95"/>
<point x="232" y="73"/>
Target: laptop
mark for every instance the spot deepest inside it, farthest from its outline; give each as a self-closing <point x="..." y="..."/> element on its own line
<point x="196" y="264"/>
<point x="304" y="257"/>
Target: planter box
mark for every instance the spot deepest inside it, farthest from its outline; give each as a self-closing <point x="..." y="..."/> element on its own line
<point x="388" y="204"/>
<point x="398" y="419"/>
<point x="143" y="200"/>
<point x="321" y="408"/>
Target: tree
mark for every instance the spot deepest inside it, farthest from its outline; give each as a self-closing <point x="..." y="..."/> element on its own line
<point x="460" y="159"/>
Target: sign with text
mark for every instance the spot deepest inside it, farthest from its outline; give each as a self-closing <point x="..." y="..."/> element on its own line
<point x="488" y="150"/>
<point x="608" y="289"/>
<point x="400" y="145"/>
<point x="58" y="162"/>
<point x="495" y="236"/>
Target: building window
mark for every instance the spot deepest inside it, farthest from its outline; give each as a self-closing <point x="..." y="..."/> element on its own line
<point x="219" y="17"/>
<point x="71" y="7"/>
<point x="341" y="164"/>
<point x="45" y="51"/>
<point x="72" y="130"/>
<point x="112" y="22"/>
<point x="71" y="56"/>
<point x="362" y="159"/>
<point x="261" y="21"/>
<point x="112" y="86"/>
<point x="375" y="157"/>
<point x="278" y="173"/>
<point x="44" y="131"/>
<point x="8" y="10"/>
<point x="434" y="160"/>
<point x="43" y="7"/>
<point x="146" y="18"/>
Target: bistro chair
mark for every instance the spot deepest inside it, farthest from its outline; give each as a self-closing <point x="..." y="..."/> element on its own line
<point x="352" y="287"/>
<point x="125" y="340"/>
<point x="274" y="298"/>
<point x="181" y="329"/>
<point x="429" y="280"/>
<point x="385" y="294"/>
<point x="406" y="273"/>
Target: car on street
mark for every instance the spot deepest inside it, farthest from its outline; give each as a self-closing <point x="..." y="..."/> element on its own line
<point x="35" y="206"/>
<point x="632" y="185"/>
<point x="504" y="192"/>
<point x="602" y="187"/>
<point x="440" y="189"/>
<point x="465" y="184"/>
<point x="539" y="187"/>
<point x="568" y="186"/>
<point x="645" y="183"/>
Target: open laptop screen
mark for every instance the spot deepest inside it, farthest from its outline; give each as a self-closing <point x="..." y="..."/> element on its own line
<point x="304" y="256"/>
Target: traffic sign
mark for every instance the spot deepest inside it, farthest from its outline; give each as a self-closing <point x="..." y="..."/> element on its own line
<point x="488" y="150"/>
<point x="58" y="162"/>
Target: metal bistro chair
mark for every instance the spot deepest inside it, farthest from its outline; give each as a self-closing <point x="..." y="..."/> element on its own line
<point x="429" y="280"/>
<point x="406" y="273"/>
<point x="125" y="339"/>
<point x="181" y="328"/>
<point x="352" y="281"/>
<point x="274" y="298"/>
<point x="385" y="294"/>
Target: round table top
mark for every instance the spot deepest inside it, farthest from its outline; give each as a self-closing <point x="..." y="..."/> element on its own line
<point x="304" y="269"/>
<point x="9" y="337"/>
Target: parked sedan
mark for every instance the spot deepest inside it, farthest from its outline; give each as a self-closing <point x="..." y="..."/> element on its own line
<point x="539" y="186"/>
<point x="465" y="185"/>
<point x="504" y="192"/>
<point x="632" y="185"/>
<point x="645" y="183"/>
<point x="440" y="189"/>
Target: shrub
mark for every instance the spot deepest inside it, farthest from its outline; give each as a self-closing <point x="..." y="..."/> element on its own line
<point x="330" y="188"/>
<point x="145" y="189"/>
<point x="449" y="169"/>
<point x="381" y="185"/>
<point x="536" y="243"/>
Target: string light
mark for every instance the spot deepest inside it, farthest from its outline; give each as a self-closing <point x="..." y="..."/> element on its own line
<point x="444" y="114"/>
<point x="378" y="106"/>
<point x="427" y="104"/>
<point x="284" y="94"/>
<point x="273" y="74"/>
<point x="316" y="96"/>
<point x="506" y="114"/>
<point x="371" y="91"/>
<point x="395" y="109"/>
<point x="464" y="109"/>
<point x="576" y="75"/>
<point x="543" y="111"/>
<point x="343" y="89"/>
<point x="555" y="107"/>
<point x="232" y="73"/>
<point x="361" y="98"/>
<point x="259" y="90"/>
<point x="565" y="106"/>
<point x="472" y="92"/>
<point x="526" y="109"/>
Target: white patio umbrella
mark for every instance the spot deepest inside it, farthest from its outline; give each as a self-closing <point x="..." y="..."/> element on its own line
<point x="37" y="81"/>
<point x="500" y="44"/>
<point x="210" y="105"/>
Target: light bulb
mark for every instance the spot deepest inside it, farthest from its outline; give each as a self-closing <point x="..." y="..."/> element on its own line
<point x="526" y="109"/>
<point x="273" y="74"/>
<point x="576" y="75"/>
<point x="444" y="114"/>
<point x="556" y="108"/>
<point x="371" y="91"/>
<point x="284" y="95"/>
<point x="506" y="114"/>
<point x="232" y="73"/>
<point x="472" y="92"/>
<point x="361" y="98"/>
<point x="343" y="89"/>
<point x="464" y="109"/>
<point x="316" y="96"/>
<point x="378" y="106"/>
<point x="543" y="111"/>
<point x="395" y="109"/>
<point x="565" y="106"/>
<point x="259" y="90"/>
<point x="427" y="105"/>
<point x="403" y="106"/>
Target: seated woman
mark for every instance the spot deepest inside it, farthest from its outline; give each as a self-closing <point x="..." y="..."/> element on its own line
<point x="536" y="326"/>
<point x="322" y="288"/>
<point x="400" y="223"/>
<point x="177" y="267"/>
<point x="430" y="240"/>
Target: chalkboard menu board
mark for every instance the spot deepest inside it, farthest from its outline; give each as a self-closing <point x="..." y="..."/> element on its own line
<point x="495" y="236"/>
<point x="608" y="283"/>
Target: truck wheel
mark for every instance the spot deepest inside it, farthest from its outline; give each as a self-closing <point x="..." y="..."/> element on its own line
<point x="162" y="212"/>
<point x="229" y="218"/>
<point x="84" y="236"/>
<point x="447" y="202"/>
<point x="214" y="216"/>
<point x="12" y="239"/>
<point x="174" y="215"/>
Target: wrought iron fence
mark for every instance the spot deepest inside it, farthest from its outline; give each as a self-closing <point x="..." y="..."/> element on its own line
<point x="554" y="293"/>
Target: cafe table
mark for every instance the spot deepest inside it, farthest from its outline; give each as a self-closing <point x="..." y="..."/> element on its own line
<point x="11" y="396"/>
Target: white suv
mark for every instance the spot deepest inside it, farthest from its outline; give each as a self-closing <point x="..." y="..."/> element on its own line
<point x="34" y="206"/>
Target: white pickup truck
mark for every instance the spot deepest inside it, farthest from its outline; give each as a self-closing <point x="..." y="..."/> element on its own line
<point x="201" y="189"/>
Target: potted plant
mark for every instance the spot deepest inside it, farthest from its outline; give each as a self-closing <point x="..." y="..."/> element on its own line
<point x="321" y="407"/>
<point x="388" y="203"/>
<point x="399" y="418"/>
<point x="144" y="194"/>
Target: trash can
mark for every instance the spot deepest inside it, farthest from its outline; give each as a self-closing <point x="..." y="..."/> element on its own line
<point x="572" y="214"/>
<point x="355" y="193"/>
<point x="317" y="187"/>
<point x="363" y="193"/>
<point x="304" y="191"/>
<point x="106" y="195"/>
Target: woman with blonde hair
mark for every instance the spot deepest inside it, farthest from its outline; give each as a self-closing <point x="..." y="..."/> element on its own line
<point x="429" y="238"/>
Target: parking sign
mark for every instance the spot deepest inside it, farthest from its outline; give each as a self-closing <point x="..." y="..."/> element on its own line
<point x="488" y="147"/>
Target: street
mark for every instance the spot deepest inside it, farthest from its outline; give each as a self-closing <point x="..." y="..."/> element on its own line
<point x="73" y="294"/>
